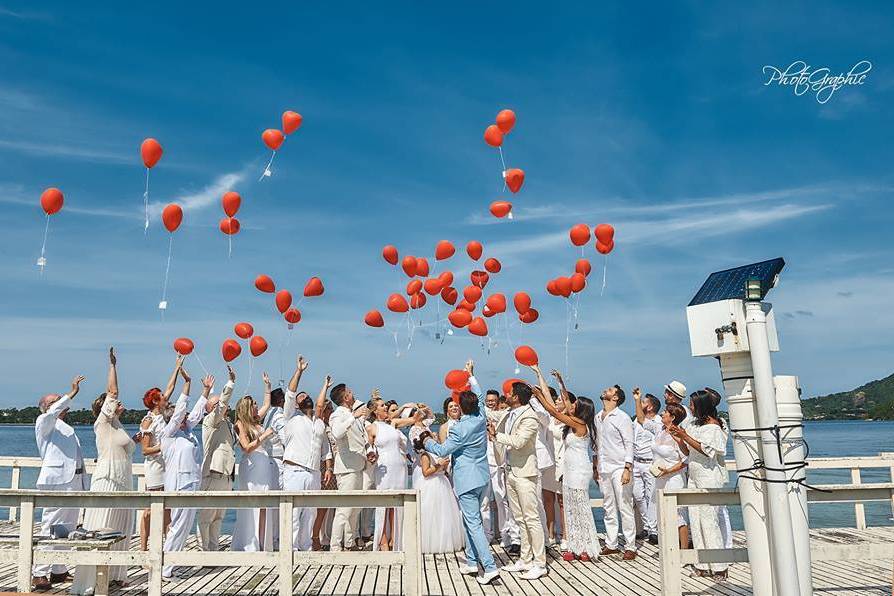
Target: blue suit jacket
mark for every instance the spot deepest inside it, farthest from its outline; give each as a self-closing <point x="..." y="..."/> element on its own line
<point x="467" y="444"/>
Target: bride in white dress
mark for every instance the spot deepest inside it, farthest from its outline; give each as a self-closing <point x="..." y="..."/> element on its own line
<point x="390" y="473"/>
<point x="257" y="473"/>
<point x="443" y="530"/>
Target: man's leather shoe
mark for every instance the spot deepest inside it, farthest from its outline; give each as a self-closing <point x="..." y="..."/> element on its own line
<point x="57" y="578"/>
<point x="629" y="555"/>
<point x="40" y="584"/>
<point x="514" y="549"/>
<point x="609" y="551"/>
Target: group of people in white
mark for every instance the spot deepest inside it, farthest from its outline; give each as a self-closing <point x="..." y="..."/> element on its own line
<point x="511" y="467"/>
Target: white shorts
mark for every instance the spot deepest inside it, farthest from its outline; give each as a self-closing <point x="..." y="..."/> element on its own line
<point x="548" y="480"/>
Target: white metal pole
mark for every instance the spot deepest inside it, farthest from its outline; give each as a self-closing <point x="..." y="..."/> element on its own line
<point x="735" y="368"/>
<point x="782" y="544"/>
<point x="788" y="402"/>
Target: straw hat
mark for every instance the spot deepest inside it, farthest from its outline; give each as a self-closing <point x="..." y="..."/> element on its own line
<point x="677" y="388"/>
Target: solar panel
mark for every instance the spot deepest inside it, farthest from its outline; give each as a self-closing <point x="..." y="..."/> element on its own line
<point x="730" y="283"/>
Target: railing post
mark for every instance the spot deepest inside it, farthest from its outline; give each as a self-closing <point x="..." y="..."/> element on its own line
<point x="859" y="510"/>
<point x="16" y="473"/>
<point x="412" y="546"/>
<point x="156" y="542"/>
<point x="669" y="545"/>
<point x="286" y="558"/>
<point x="26" y="545"/>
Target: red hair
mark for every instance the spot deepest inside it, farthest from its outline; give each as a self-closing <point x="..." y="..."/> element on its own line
<point x="152" y="397"/>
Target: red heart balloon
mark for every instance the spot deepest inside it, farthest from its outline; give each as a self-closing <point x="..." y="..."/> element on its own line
<point x="493" y="136"/>
<point x="230" y="350"/>
<point x="397" y="303"/>
<point x="257" y="345"/>
<point x="444" y="250"/>
<point x="505" y="121"/>
<point x="283" y="300"/>
<point x="479" y="278"/>
<point x="374" y="319"/>
<point x="273" y="138"/>
<point x="474" y="250"/>
<point x="172" y="216"/>
<point x="292" y="316"/>
<point x="526" y="355"/>
<point x="500" y="208"/>
<point x="530" y="316"/>
<point x="244" y="330"/>
<point x="460" y="317"/>
<point x="449" y="295"/>
<point x="291" y="121"/>
<point x="456" y="379"/>
<point x="478" y="327"/>
<point x="389" y="253"/>
<point x="229" y="226"/>
<point x="183" y="345"/>
<point x="472" y="294"/>
<point x="231" y="201"/>
<point x="51" y="200"/>
<point x="265" y="284"/>
<point x="514" y="179"/>
<point x="313" y="287"/>
<point x="150" y="151"/>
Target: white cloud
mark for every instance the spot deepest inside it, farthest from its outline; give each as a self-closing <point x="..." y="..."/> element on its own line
<point x="58" y="150"/>
<point x="207" y="196"/>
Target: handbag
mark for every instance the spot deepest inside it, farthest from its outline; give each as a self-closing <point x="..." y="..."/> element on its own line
<point x="657" y="463"/>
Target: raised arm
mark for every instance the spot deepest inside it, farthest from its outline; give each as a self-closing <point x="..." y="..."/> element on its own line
<point x="112" y="383"/>
<point x="300" y="367"/>
<point x="172" y="382"/>
<point x="562" y="389"/>
<point x="187" y="381"/>
<point x="198" y="410"/>
<point x="46" y="422"/>
<point x="320" y="406"/>
<point x="177" y="417"/>
<point x="268" y="390"/>
<point x="638" y="404"/>
<point x="476" y="388"/>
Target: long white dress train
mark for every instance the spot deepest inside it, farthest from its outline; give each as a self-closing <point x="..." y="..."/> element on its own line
<point x="442" y="528"/>
<point x="390" y="473"/>
<point x="257" y="473"/>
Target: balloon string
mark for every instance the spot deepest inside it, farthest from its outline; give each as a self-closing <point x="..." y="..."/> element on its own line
<point x="146" y="205"/>
<point x="567" y="333"/>
<point x="250" y="370"/>
<point x="503" y="161"/>
<point x="164" y="291"/>
<point x="575" y="311"/>
<point x="42" y="261"/>
<point x="202" y="364"/>
<point x="604" y="270"/>
<point x="410" y="331"/>
<point x="267" y="173"/>
<point x="230" y="244"/>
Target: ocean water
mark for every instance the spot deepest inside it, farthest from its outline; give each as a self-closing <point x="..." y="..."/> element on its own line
<point x="825" y="439"/>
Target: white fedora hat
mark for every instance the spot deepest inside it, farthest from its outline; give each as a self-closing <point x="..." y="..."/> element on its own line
<point x="677" y="388"/>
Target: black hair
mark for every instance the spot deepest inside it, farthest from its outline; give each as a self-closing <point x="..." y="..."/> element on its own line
<point x="277" y="398"/>
<point x="621" y="395"/>
<point x="447" y="403"/>
<point x="493" y="392"/>
<point x="306" y="403"/>
<point x="371" y="406"/>
<point x="715" y="397"/>
<point x="468" y="402"/>
<point x="703" y="407"/>
<point x="655" y="403"/>
<point x="337" y="393"/>
<point x="391" y="402"/>
<point x="585" y="411"/>
<point x="419" y="442"/>
<point x="571" y="397"/>
<point x="553" y="393"/>
<point x="523" y="391"/>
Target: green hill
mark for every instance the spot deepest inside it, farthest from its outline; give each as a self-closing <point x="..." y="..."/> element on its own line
<point x="873" y="400"/>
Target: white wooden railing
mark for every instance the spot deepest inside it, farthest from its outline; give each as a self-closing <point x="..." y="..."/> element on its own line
<point x="672" y="557"/>
<point x="284" y="559"/>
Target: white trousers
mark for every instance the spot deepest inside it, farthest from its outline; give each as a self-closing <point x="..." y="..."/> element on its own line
<point x="273" y="512"/>
<point x="509" y="532"/>
<point x="182" y="520"/>
<point x="366" y="519"/>
<point x="346" y="518"/>
<point x="524" y="498"/>
<point x="618" y="505"/>
<point x="644" y="496"/>
<point x="726" y="528"/>
<point x="67" y="517"/>
<point x="208" y="531"/>
<point x="299" y="478"/>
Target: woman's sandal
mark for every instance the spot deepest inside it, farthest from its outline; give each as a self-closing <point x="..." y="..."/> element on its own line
<point x="721" y="576"/>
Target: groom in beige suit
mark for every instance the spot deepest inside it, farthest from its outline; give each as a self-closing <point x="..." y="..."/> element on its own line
<point x="515" y="440"/>
<point x="218" y="461"/>
<point x="346" y="425"/>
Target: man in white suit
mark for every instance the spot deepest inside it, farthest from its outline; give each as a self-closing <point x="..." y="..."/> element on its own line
<point x="516" y="438"/>
<point x="182" y="471"/>
<point x="505" y="523"/>
<point x="218" y="460"/>
<point x="346" y="426"/>
<point x="614" y="467"/>
<point x="305" y="445"/>
<point x="62" y="469"/>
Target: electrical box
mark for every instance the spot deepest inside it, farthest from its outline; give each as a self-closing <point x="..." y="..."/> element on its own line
<point x="719" y="327"/>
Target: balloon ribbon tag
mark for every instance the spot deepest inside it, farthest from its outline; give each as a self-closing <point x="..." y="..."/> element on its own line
<point x="163" y="305"/>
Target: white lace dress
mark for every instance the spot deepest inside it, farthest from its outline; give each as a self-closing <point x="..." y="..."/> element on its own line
<point x="390" y="473"/>
<point x="578" y="471"/>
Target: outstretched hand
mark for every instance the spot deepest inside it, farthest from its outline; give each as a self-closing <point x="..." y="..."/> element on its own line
<point x="76" y="385"/>
<point x="112" y="359"/>
<point x="266" y="379"/>
<point x="231" y="373"/>
<point x="208" y="382"/>
<point x="470" y="366"/>
<point x="301" y="363"/>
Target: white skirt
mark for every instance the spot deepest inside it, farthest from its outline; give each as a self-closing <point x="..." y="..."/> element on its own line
<point x="96" y="518"/>
<point x="442" y="524"/>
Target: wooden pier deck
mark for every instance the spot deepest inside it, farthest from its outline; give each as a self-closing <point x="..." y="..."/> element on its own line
<point x="609" y="576"/>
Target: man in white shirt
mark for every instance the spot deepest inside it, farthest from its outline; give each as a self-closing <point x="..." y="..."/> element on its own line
<point x="346" y="426"/>
<point x="615" y="472"/>
<point x="645" y="428"/>
<point x="182" y="471"/>
<point x="274" y="421"/>
<point x="218" y="461"/>
<point x="62" y="469"/>
<point x="546" y="465"/>
<point x="305" y="445"/>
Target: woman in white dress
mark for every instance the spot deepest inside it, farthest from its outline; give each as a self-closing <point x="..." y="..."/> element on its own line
<point x="442" y="531"/>
<point x="156" y="402"/>
<point x="257" y="473"/>
<point x="670" y="463"/>
<point x="579" y="437"/>
<point x="113" y="473"/>
<point x="453" y="414"/>
<point x="705" y="440"/>
<point x="390" y="473"/>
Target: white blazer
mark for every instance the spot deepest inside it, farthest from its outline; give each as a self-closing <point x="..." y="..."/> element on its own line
<point x="303" y="438"/>
<point x="58" y="446"/>
<point x="180" y="446"/>
<point x="350" y="441"/>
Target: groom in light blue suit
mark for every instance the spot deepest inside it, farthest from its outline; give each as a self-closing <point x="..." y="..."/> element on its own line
<point x="467" y="445"/>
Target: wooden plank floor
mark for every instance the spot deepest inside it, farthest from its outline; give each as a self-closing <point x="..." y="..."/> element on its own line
<point x="609" y="576"/>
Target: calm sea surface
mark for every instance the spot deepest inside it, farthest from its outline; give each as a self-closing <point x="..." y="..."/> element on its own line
<point x="826" y="439"/>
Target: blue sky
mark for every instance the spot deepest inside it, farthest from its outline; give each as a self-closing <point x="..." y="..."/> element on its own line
<point x="659" y="123"/>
